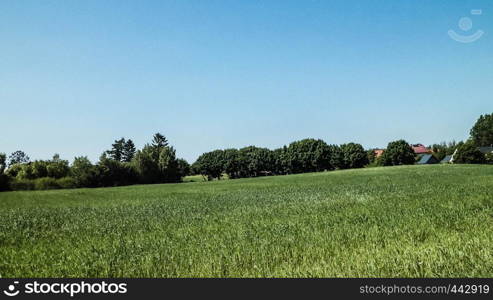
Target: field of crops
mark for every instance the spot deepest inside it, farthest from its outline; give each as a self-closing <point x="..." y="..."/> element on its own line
<point x="416" y="221"/>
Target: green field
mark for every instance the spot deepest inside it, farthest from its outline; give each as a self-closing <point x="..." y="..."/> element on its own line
<point x="416" y="221"/>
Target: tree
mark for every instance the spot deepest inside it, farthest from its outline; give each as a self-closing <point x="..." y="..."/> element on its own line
<point x="489" y="158"/>
<point x="57" y="168"/>
<point x="211" y="164"/>
<point x="157" y="163"/>
<point x="353" y="156"/>
<point x="4" y="179"/>
<point x="231" y="163"/>
<point x="482" y="131"/>
<point x="398" y="153"/>
<point x="128" y="152"/>
<point x="183" y="167"/>
<point x="336" y="157"/>
<point x="308" y="155"/>
<point x="468" y="153"/>
<point x="18" y="157"/>
<point x="3" y="162"/>
<point x="111" y="172"/>
<point x="116" y="152"/>
<point x="84" y="172"/>
<point x="254" y="161"/>
<point x="159" y="141"/>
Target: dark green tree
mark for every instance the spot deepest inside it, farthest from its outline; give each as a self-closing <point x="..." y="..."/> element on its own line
<point x="183" y="167"/>
<point x="18" y="157"/>
<point x="84" y="172"/>
<point x="398" y="153"/>
<point x="468" y="153"/>
<point x="353" y="156"/>
<point x="308" y="155"/>
<point x="117" y="150"/>
<point x="128" y="151"/>
<point x="3" y="162"/>
<point x="159" y="141"/>
<point x="482" y="131"/>
<point x="211" y="164"/>
<point x="231" y="159"/>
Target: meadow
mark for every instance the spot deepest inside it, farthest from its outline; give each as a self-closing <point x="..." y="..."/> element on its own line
<point x="409" y="221"/>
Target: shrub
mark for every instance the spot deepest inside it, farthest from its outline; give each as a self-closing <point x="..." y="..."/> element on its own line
<point x="22" y="184"/>
<point x="308" y="155"/>
<point x="46" y="183"/>
<point x="398" y="153"/>
<point x="489" y="158"/>
<point x="84" y="173"/>
<point x="354" y="156"/>
<point x="66" y="183"/>
<point x="468" y="153"/>
<point x="4" y="182"/>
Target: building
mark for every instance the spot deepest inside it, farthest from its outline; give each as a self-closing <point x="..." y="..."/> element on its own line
<point x="448" y="159"/>
<point x="420" y="149"/>
<point x="486" y="150"/>
<point x="427" y="159"/>
<point x="378" y="152"/>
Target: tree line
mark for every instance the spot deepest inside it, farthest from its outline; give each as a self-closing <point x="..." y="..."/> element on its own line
<point x="156" y="162"/>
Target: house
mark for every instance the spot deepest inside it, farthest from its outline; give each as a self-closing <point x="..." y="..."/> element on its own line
<point x="378" y="152"/>
<point x="427" y="159"/>
<point x="420" y="149"/>
<point x="486" y="150"/>
<point x="448" y="159"/>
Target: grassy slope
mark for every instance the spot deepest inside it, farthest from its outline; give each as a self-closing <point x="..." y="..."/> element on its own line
<point x="403" y="221"/>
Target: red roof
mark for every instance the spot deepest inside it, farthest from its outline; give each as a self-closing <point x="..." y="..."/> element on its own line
<point x="420" y="149"/>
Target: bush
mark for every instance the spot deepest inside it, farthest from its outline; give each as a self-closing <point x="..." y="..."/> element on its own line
<point x="398" y="153"/>
<point x="308" y="155"/>
<point x="22" y="185"/>
<point x="66" y="183"/>
<point x="353" y="156"/>
<point x="489" y="158"/>
<point x="46" y="183"/>
<point x="4" y="182"/>
<point x="468" y="153"/>
<point x="84" y="173"/>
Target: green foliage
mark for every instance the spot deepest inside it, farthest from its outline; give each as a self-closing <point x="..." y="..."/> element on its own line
<point x="443" y="149"/>
<point x="114" y="173"/>
<point x="117" y="148"/>
<point x="254" y="161"/>
<point x="482" y="131"/>
<point x="353" y="156"/>
<point x="398" y="153"/>
<point x="57" y="168"/>
<point x="18" y="157"/>
<point x="211" y="164"/>
<point x="122" y="150"/>
<point x="128" y="151"/>
<point x="489" y="158"/>
<point x="84" y="173"/>
<point x="183" y="167"/>
<point x="3" y="162"/>
<point x="17" y="184"/>
<point x="156" y="164"/>
<point x="308" y="155"/>
<point x="468" y="153"/>
<point x="411" y="221"/>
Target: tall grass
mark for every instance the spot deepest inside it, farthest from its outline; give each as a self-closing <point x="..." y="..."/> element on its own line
<point x="416" y="221"/>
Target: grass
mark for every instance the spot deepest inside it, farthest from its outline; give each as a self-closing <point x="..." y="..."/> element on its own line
<point x="416" y="221"/>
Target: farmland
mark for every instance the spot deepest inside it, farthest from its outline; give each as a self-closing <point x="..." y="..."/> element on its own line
<point x="409" y="221"/>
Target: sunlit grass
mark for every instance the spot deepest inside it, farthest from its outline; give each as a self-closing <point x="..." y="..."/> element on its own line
<point x="416" y="221"/>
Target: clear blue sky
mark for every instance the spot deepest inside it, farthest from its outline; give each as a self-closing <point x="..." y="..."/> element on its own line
<point x="76" y="75"/>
